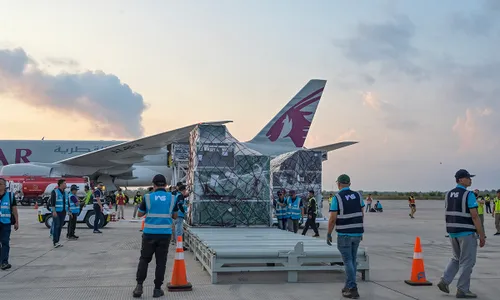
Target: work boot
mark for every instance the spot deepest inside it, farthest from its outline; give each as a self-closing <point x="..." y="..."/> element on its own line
<point x="351" y="293"/>
<point x="5" y="266"/>
<point x="158" y="293"/>
<point x="75" y="236"/>
<point x="316" y="235"/>
<point x="468" y="294"/>
<point x="445" y="288"/>
<point x="137" y="291"/>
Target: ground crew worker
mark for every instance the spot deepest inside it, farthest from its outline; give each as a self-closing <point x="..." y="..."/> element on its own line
<point x="74" y="211"/>
<point x="120" y="203"/>
<point x="462" y="224"/>
<point x="98" y="200"/>
<point x="346" y="215"/>
<point x="487" y="202"/>
<point x="8" y="217"/>
<point x="413" y="207"/>
<point x="480" y="209"/>
<point x="88" y="196"/>
<point x="496" y="212"/>
<point x="159" y="208"/>
<point x="294" y="210"/>
<point x="180" y="200"/>
<point x="59" y="209"/>
<point x="137" y="202"/>
<point x="280" y="207"/>
<point x="330" y="200"/>
<point x="369" y="201"/>
<point x="312" y="212"/>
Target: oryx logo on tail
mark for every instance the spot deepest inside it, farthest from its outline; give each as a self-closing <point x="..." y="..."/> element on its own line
<point x="296" y="121"/>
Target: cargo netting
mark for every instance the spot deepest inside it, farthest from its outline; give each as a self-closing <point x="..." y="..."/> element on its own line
<point x="299" y="171"/>
<point x="230" y="183"/>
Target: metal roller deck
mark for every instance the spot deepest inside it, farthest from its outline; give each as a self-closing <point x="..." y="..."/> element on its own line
<point x="231" y="250"/>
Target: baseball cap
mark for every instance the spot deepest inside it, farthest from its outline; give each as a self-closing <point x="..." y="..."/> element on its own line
<point x="159" y="180"/>
<point x="181" y="188"/>
<point x="291" y="191"/>
<point x="74" y="187"/>
<point x="344" y="179"/>
<point x="463" y="174"/>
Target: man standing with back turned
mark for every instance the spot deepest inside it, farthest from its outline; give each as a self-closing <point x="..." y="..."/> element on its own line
<point x="346" y="213"/>
<point x="159" y="208"/>
<point x="462" y="224"/>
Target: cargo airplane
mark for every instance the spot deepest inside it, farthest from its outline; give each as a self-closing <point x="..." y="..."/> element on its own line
<point x="134" y="163"/>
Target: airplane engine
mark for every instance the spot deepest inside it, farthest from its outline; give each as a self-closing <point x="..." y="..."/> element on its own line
<point x="26" y="170"/>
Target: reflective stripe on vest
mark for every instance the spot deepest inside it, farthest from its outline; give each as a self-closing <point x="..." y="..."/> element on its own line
<point x="350" y="214"/>
<point x="5" y="212"/>
<point x="74" y="208"/>
<point x="59" y="201"/>
<point x="293" y="210"/>
<point x="458" y="217"/>
<point x="158" y="220"/>
<point x="281" y="211"/>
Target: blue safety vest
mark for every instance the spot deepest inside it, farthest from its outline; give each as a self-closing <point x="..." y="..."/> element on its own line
<point x="5" y="208"/>
<point x="74" y="208"/>
<point x="101" y="196"/>
<point x="293" y="210"/>
<point x="350" y="212"/>
<point x="159" y="207"/>
<point x="183" y="203"/>
<point x="59" y="201"/>
<point x="458" y="217"/>
<point x="281" y="211"/>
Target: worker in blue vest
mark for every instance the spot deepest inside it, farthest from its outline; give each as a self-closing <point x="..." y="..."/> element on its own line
<point x="98" y="201"/>
<point x="180" y="200"/>
<point x="346" y="215"/>
<point x="8" y="217"/>
<point x="462" y="225"/>
<point x="280" y="207"/>
<point x="295" y="211"/>
<point x="74" y="211"/>
<point x="160" y="210"/>
<point x="59" y="208"/>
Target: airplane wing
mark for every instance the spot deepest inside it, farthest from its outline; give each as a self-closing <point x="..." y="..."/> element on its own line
<point x="332" y="147"/>
<point x="132" y="152"/>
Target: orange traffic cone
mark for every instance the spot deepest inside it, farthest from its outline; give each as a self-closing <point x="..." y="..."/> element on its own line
<point x="179" y="282"/>
<point x="417" y="269"/>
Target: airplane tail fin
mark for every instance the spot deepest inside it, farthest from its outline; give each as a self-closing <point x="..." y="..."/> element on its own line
<point x="290" y="126"/>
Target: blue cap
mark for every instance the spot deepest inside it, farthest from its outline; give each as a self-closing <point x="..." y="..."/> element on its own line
<point x="463" y="174"/>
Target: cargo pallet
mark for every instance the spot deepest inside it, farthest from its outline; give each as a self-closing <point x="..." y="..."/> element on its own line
<point x="229" y="250"/>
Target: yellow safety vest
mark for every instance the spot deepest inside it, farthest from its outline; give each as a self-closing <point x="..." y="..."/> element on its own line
<point x="497" y="205"/>
<point x="480" y="209"/>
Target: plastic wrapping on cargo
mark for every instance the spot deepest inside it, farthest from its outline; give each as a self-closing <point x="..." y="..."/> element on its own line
<point x="230" y="183"/>
<point x="300" y="171"/>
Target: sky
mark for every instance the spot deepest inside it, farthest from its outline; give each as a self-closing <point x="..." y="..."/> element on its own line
<point x="415" y="82"/>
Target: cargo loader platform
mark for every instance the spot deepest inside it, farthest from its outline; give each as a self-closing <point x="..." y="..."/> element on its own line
<point x="231" y="250"/>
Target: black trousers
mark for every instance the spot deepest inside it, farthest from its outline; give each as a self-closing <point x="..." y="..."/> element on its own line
<point x="71" y="225"/>
<point x="97" y="210"/>
<point x="311" y="222"/>
<point x="158" y="247"/>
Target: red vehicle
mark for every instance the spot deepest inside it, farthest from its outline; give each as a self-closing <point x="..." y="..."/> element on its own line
<point x="38" y="188"/>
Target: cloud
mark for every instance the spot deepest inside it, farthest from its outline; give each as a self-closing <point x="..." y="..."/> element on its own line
<point x="387" y="43"/>
<point x="101" y="98"/>
<point x="478" y="23"/>
<point x="392" y="116"/>
<point x="475" y="131"/>
<point x="59" y="61"/>
<point x="348" y="135"/>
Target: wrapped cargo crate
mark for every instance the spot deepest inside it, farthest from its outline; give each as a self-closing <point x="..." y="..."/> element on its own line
<point x="230" y="183"/>
<point x="300" y="171"/>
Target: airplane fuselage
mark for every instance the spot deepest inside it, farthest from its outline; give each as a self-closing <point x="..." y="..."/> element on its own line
<point x="39" y="151"/>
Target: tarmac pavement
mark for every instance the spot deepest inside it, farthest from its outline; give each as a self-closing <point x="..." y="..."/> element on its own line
<point x="104" y="266"/>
